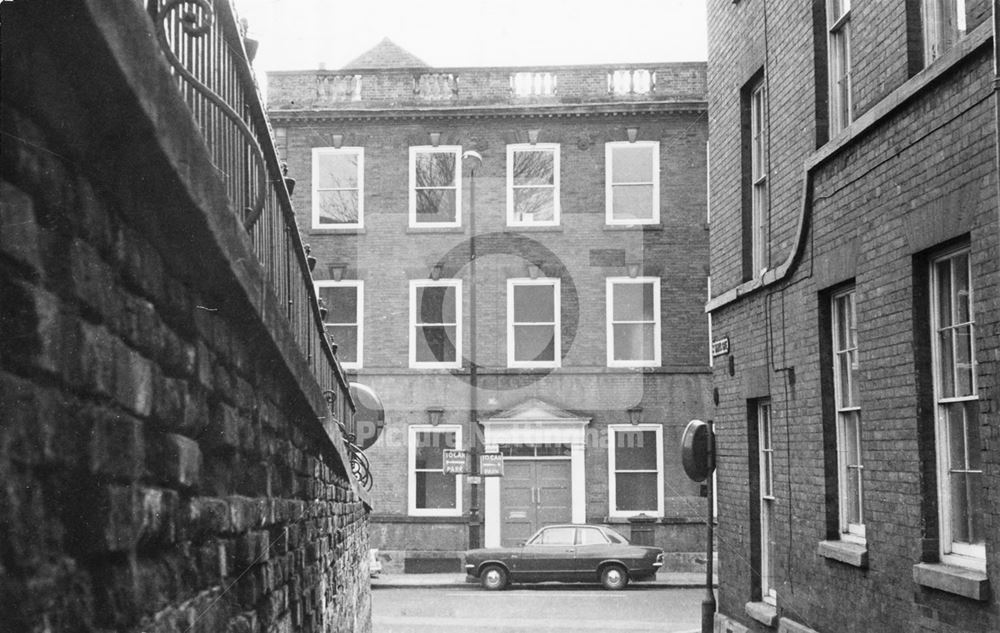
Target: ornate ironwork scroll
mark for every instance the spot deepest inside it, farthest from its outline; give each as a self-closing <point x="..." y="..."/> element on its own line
<point x="196" y="24"/>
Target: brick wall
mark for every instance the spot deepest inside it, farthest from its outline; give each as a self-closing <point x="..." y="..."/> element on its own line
<point x="163" y="468"/>
<point x="922" y="177"/>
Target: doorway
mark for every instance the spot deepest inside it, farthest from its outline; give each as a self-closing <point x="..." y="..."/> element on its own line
<point x="534" y="492"/>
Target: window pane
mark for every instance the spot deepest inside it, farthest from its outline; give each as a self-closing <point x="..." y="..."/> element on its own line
<point x="338" y="207"/>
<point x="435" y="344"/>
<point x="338" y="171"/>
<point x="557" y="536"/>
<point x="632" y="202"/>
<point x="534" y="304"/>
<point x="852" y="495"/>
<point x="429" y="447"/>
<point x="534" y="205"/>
<point x="436" y="304"/>
<point x="346" y="338"/>
<point x="963" y="361"/>
<point x="534" y="168"/>
<point x="632" y="164"/>
<point x="435" y="490"/>
<point x="634" y="341"/>
<point x="633" y="302"/>
<point x="534" y="343"/>
<point x="943" y="269"/>
<point x="947" y="366"/>
<point x="435" y="169"/>
<point x="436" y="205"/>
<point x="589" y="536"/>
<point x="635" y="450"/>
<point x="635" y="492"/>
<point x="963" y="308"/>
<point x="553" y="450"/>
<point x="341" y="304"/>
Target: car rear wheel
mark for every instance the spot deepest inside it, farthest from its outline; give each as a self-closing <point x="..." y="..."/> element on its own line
<point x="614" y="577"/>
<point x="493" y="577"/>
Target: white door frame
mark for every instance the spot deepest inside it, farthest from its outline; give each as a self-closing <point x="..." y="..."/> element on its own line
<point x="535" y="430"/>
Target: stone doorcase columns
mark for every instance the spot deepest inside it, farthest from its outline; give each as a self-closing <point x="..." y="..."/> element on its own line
<point x="535" y="426"/>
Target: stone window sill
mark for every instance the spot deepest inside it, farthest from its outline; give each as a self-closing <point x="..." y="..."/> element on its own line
<point x="855" y="554"/>
<point x="763" y="612"/>
<point x="957" y="580"/>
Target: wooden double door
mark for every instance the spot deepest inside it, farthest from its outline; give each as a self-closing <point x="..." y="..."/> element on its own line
<point x="534" y="493"/>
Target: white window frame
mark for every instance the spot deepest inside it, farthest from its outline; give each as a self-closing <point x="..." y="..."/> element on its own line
<point x="765" y="466"/>
<point x="609" y="183"/>
<point x="514" y="148"/>
<point x="944" y="23"/>
<point x="317" y="152"/>
<point x="962" y="554"/>
<point x="839" y="63"/>
<point x="430" y="283"/>
<point x="613" y="430"/>
<point x="359" y="287"/>
<point x="556" y="284"/>
<point x="847" y="414"/>
<point x="455" y="150"/>
<point x="758" y="179"/>
<point x="411" y="471"/>
<point x="610" y="283"/>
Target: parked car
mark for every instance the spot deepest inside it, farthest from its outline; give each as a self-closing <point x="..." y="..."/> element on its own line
<point x="374" y="564"/>
<point x="566" y="553"/>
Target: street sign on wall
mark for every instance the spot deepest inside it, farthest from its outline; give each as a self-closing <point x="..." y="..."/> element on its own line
<point x="455" y="462"/>
<point x="491" y="465"/>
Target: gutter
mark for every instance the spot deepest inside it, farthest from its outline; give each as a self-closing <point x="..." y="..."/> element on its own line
<point x="847" y="138"/>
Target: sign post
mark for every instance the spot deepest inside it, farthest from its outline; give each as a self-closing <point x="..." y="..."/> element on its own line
<point x="698" y="459"/>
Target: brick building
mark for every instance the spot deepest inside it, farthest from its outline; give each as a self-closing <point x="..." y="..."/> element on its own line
<point x="170" y="453"/>
<point x="514" y="258"/>
<point x="856" y="278"/>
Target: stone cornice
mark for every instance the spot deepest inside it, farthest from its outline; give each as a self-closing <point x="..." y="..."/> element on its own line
<point x="494" y="111"/>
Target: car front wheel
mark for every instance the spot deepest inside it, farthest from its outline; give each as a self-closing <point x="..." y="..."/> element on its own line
<point x="614" y="577"/>
<point x="493" y="577"/>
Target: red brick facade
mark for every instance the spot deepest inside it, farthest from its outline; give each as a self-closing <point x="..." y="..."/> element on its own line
<point x="483" y="114"/>
<point x="868" y="207"/>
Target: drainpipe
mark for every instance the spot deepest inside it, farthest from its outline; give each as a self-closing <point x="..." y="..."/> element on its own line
<point x="996" y="99"/>
<point x="475" y="161"/>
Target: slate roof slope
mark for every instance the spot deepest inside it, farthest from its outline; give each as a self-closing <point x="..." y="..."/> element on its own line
<point x="385" y="54"/>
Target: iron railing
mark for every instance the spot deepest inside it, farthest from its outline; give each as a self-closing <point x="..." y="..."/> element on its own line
<point x="207" y="50"/>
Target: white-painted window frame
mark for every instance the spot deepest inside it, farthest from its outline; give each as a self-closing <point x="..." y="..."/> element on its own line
<point x="515" y="148"/>
<point x="613" y="430"/>
<point x="765" y="465"/>
<point x="609" y="184"/>
<point x="431" y="283"/>
<point x="455" y="150"/>
<point x="944" y="23"/>
<point x="841" y="92"/>
<point x="758" y="179"/>
<point x="967" y="555"/>
<point x="359" y="322"/>
<point x="411" y="470"/>
<point x="556" y="285"/>
<point x="317" y="153"/>
<point x="848" y="412"/>
<point x="610" y="284"/>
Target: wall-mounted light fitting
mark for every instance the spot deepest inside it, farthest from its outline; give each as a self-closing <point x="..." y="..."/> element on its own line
<point x="633" y="269"/>
<point x="338" y="140"/>
<point x="634" y="415"/>
<point x="436" y="271"/>
<point x="337" y="271"/>
<point x="435" y="138"/>
<point x="534" y="271"/>
<point x="434" y="415"/>
<point x="533" y="136"/>
<point x="632" y="133"/>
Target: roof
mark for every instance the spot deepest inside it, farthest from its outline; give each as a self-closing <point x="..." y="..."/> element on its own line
<point x="385" y="54"/>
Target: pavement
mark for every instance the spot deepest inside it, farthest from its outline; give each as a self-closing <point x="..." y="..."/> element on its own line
<point x="663" y="579"/>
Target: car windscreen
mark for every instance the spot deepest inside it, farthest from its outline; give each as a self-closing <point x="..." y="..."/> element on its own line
<point x="615" y="536"/>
